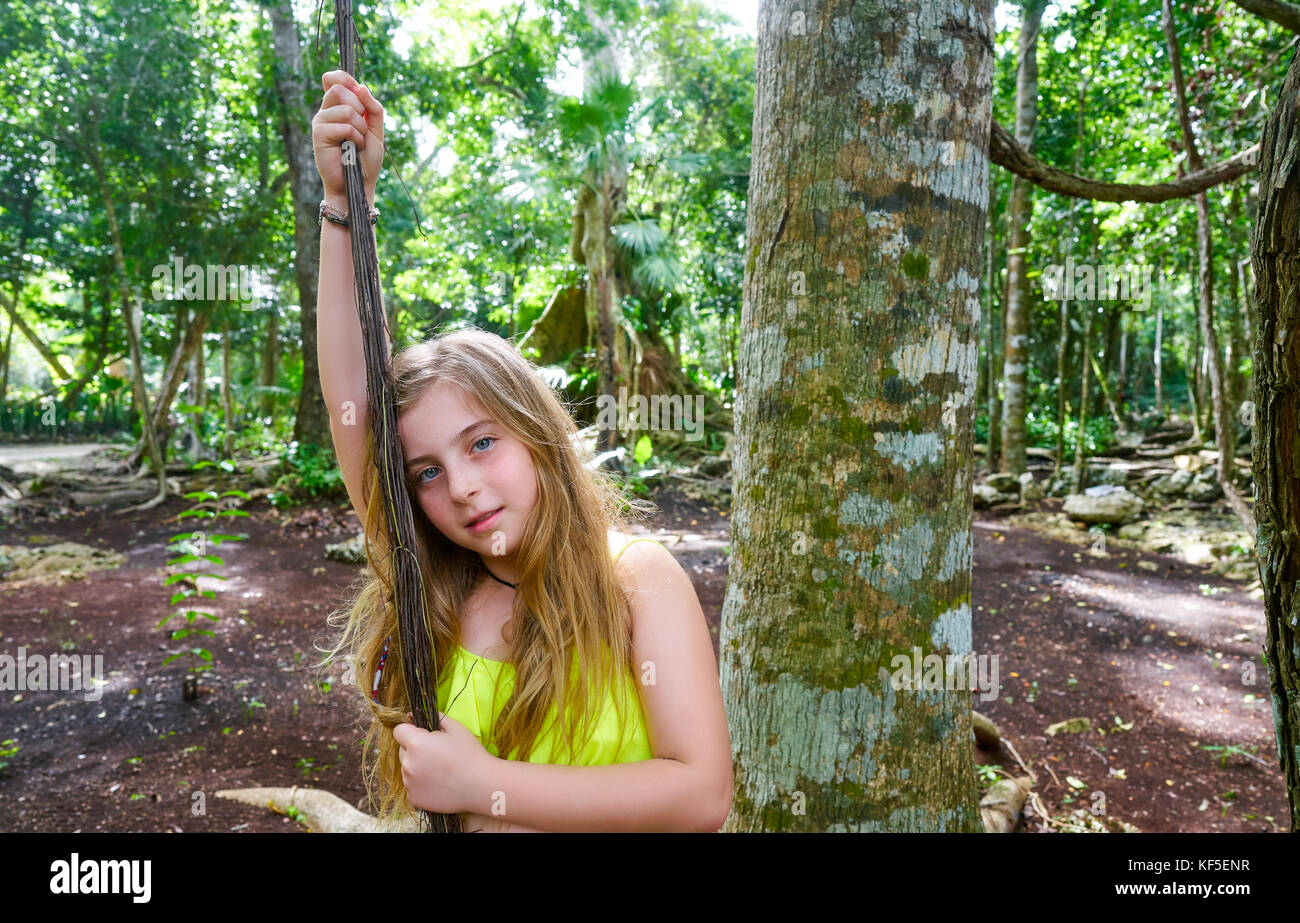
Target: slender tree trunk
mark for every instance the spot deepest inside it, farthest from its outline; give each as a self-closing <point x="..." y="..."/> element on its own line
<point x="1238" y="348"/>
<point x="132" y="311"/>
<point x="57" y="369"/>
<point x="1061" y="348"/>
<point x="270" y="367"/>
<point x="1249" y="297"/>
<point x="1123" y="366"/>
<point x="1081" y="441"/>
<point x="227" y="395"/>
<point x="994" y="451"/>
<point x="852" y="538"/>
<point x="1276" y="442"/>
<point x="191" y="335"/>
<point x="1018" y="216"/>
<point x="312" y="422"/>
<point x="1225" y="431"/>
<point x="4" y="374"/>
<point x="1195" y="381"/>
<point x="1159" y="361"/>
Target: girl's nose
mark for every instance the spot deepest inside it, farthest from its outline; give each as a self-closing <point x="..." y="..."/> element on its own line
<point x="461" y="486"/>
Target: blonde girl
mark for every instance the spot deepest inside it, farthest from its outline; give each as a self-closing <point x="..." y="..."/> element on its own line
<point x="576" y="676"/>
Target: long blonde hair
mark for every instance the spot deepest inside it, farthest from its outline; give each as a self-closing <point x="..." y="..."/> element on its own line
<point x="568" y="597"/>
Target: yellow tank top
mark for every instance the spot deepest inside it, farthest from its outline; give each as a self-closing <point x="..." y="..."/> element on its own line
<point x="474" y="689"/>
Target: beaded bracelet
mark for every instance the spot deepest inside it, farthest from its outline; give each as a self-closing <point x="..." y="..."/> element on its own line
<point x="341" y="218"/>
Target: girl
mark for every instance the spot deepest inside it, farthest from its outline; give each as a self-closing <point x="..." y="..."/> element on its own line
<point x="575" y="668"/>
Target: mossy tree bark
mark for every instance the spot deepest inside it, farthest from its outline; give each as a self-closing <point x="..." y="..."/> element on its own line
<point x="1276" y="443"/>
<point x="853" y="466"/>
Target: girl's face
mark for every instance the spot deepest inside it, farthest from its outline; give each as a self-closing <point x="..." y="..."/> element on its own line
<point x="463" y="465"/>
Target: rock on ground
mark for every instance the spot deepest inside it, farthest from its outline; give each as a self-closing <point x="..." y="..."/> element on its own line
<point x="1105" y="503"/>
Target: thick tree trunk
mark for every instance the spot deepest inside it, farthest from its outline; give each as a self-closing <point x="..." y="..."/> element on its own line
<point x="1276" y="263"/>
<point x="312" y="422"/>
<point x="859" y="341"/>
<point x="1016" y="347"/>
<point x="1225" y="431"/>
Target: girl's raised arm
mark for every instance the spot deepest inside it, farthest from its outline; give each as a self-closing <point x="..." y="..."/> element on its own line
<point x="348" y="112"/>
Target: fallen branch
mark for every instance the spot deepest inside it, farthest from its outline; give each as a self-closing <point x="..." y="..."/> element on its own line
<point x="320" y="811"/>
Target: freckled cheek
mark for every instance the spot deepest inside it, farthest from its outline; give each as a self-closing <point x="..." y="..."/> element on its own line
<point x="435" y="511"/>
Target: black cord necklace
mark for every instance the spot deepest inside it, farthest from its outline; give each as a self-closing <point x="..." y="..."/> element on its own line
<point x="498" y="579"/>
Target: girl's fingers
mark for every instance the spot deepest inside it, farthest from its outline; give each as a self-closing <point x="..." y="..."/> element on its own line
<point x="339" y="94"/>
<point x="345" y="115"/>
<point x="338" y="132"/>
<point x="330" y="78"/>
<point x="371" y="104"/>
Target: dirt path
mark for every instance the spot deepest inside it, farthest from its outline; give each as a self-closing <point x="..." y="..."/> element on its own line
<point x="1104" y="638"/>
<point x="141" y="759"/>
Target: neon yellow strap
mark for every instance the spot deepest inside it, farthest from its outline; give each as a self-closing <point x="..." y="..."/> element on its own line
<point x="631" y="543"/>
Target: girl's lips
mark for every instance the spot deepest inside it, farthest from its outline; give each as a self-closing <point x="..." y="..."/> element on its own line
<point x="484" y="523"/>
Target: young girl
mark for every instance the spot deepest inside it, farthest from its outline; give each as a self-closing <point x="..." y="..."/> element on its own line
<point x="575" y="674"/>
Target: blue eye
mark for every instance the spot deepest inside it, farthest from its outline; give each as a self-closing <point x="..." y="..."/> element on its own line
<point x="421" y="479"/>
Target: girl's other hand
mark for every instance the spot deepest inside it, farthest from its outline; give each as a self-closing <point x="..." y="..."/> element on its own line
<point x="348" y="112"/>
<point x="443" y="770"/>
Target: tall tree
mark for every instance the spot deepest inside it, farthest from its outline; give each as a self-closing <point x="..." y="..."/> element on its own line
<point x="853" y="456"/>
<point x="1016" y="347"/>
<point x="312" y="422"/>
<point x="1225" y="428"/>
<point x="1276" y="262"/>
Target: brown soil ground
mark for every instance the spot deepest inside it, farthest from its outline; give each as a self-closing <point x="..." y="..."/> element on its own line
<point x="1148" y="647"/>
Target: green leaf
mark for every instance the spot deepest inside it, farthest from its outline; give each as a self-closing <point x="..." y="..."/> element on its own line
<point x="201" y="495"/>
<point x="218" y="539"/>
<point x="643" y="450"/>
<point x="639" y="237"/>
